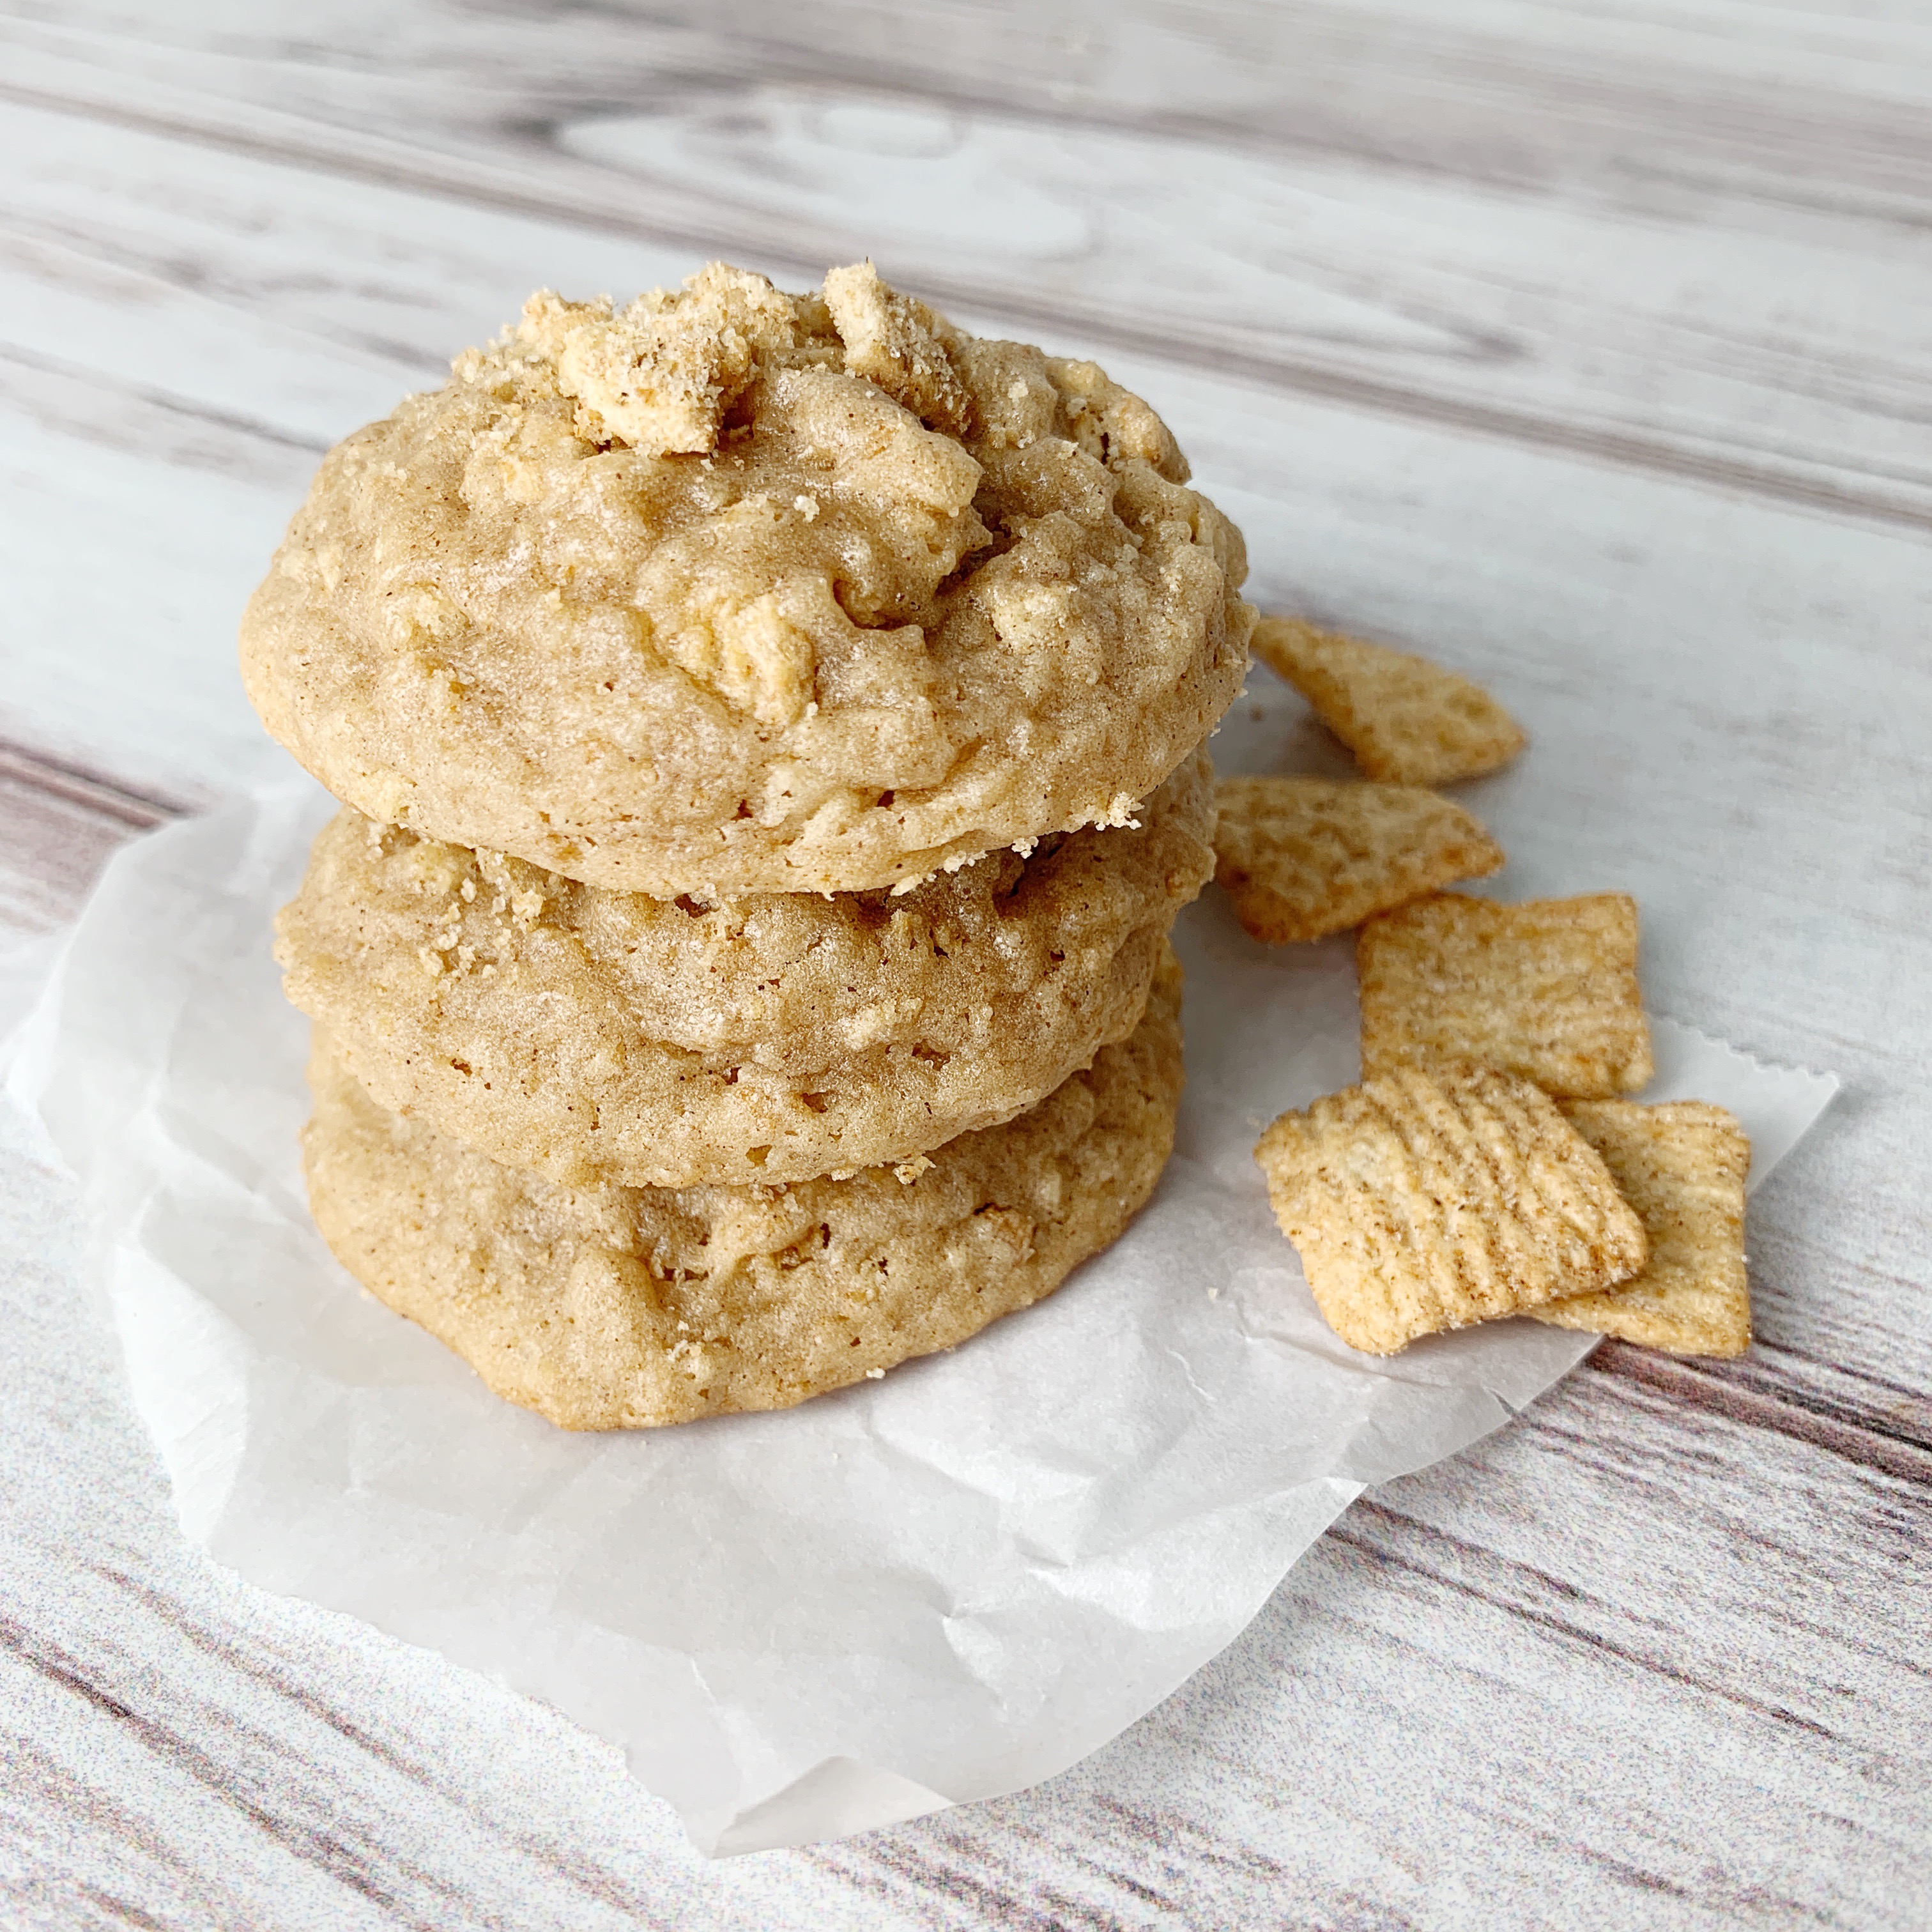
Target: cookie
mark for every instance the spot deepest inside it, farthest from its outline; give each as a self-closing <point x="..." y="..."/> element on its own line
<point x="1422" y="1202"/>
<point x="1301" y="857"/>
<point x="618" y="1308"/>
<point x="732" y="591"/>
<point x="1407" y="721"/>
<point x="600" y="1036"/>
<point x="1547" y="989"/>
<point x="1682" y="1165"/>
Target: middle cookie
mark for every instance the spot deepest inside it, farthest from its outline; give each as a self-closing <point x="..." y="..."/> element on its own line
<point x="603" y="1037"/>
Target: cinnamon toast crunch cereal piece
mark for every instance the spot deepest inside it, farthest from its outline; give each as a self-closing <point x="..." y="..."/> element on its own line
<point x="898" y="343"/>
<point x="1420" y="1202"/>
<point x="1301" y="857"/>
<point x="1547" y="989"/>
<point x="1407" y="721"/>
<point x="1682" y="1166"/>
<point x="660" y="375"/>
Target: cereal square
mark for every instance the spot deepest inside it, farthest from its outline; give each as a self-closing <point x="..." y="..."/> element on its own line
<point x="1302" y="857"/>
<point x="1682" y="1166"/>
<point x="1422" y="1202"/>
<point x="1547" y="989"/>
<point x="1407" y="721"/>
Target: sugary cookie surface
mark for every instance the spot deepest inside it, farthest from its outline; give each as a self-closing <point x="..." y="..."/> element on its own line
<point x="599" y="1036"/>
<point x="731" y="590"/>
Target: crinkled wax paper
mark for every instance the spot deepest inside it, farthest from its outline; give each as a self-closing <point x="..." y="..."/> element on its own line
<point x="944" y="1585"/>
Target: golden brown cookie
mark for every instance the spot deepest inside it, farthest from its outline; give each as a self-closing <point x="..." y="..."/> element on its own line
<point x="1547" y="989"/>
<point x="1419" y="1203"/>
<point x="623" y="1308"/>
<point x="1682" y="1165"/>
<point x="733" y="591"/>
<point x="1407" y="721"/>
<point x="603" y="1036"/>
<point x="1304" y="857"/>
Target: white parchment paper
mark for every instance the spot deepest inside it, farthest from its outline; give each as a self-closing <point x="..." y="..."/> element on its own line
<point x="934" y="1588"/>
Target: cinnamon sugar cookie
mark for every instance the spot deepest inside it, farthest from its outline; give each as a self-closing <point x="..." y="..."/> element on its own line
<point x="604" y="1036"/>
<point x="621" y="1308"/>
<point x="733" y="591"/>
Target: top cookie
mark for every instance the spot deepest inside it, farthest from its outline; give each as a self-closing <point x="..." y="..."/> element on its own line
<point x="733" y="591"/>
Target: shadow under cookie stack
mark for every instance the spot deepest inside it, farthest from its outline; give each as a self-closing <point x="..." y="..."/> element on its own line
<point x="770" y="731"/>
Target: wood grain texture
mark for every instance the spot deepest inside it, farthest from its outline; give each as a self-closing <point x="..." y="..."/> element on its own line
<point x="59" y="827"/>
<point x="1565" y="1796"/>
<point x="1497" y="224"/>
<point x="1578" y="344"/>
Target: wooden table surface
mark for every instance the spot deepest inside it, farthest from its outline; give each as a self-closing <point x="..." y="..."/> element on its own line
<point x="1581" y="341"/>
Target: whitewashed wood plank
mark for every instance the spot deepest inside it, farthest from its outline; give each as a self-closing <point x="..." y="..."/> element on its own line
<point x="1111" y="1863"/>
<point x="1432" y="295"/>
<point x="384" y="257"/>
<point x="1527" y="92"/>
<point x="275" y="297"/>
<point x="1785" y="362"/>
<point x="131" y="532"/>
<point x="58" y="827"/>
<point x="1586" y="1778"/>
<point x="1128" y="1840"/>
<point x="175" y="1744"/>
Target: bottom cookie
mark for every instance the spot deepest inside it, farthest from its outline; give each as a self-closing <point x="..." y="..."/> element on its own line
<point x="629" y="1307"/>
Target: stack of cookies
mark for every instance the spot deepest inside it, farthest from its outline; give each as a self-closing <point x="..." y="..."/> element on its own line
<point x="770" y="731"/>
